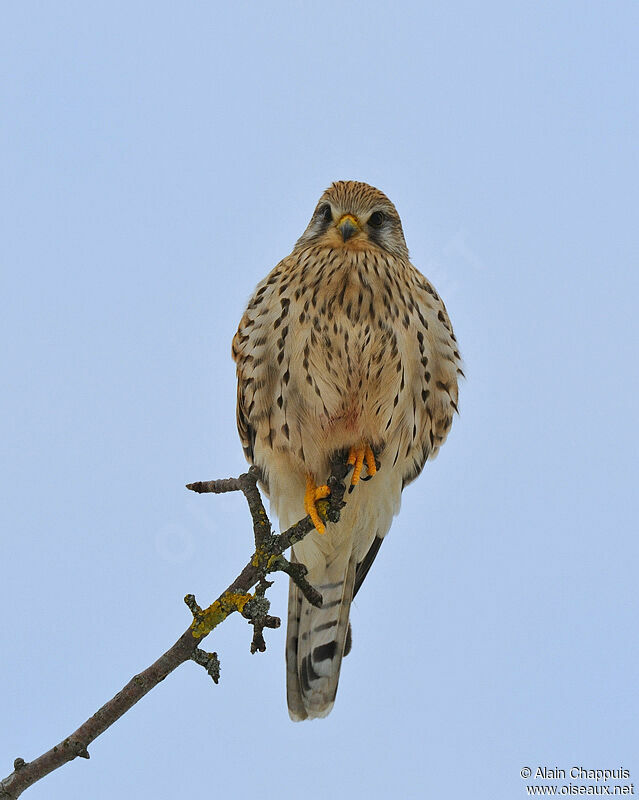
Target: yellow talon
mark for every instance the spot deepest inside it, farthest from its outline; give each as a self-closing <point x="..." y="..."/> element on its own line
<point x="356" y="457"/>
<point x="313" y="494"/>
<point x="359" y="465"/>
<point x="370" y="461"/>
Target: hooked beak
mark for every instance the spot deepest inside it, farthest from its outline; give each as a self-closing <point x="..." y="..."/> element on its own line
<point x="347" y="226"/>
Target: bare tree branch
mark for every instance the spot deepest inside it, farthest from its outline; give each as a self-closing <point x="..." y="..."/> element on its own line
<point x="268" y="557"/>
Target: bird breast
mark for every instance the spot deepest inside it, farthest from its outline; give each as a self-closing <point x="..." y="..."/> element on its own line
<point x="347" y="346"/>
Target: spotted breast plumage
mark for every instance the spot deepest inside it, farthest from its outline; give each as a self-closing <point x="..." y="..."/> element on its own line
<point x="344" y="346"/>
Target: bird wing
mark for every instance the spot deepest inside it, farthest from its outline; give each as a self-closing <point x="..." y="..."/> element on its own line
<point x="366" y="563"/>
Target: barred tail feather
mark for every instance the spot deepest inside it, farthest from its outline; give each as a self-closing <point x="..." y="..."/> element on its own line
<point x="317" y="638"/>
<point x="337" y="563"/>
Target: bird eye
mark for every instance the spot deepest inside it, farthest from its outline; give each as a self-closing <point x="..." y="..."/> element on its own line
<point x="325" y="212"/>
<point x="376" y="219"/>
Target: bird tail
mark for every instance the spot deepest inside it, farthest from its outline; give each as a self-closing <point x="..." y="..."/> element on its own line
<point x="317" y="638"/>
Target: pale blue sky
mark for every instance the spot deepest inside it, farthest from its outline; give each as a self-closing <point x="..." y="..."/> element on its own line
<point x="157" y="160"/>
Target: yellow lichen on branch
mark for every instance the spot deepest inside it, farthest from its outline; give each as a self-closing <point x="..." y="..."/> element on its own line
<point x="217" y="612"/>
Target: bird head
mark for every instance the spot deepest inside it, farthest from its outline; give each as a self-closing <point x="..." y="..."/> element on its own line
<point x="356" y="216"/>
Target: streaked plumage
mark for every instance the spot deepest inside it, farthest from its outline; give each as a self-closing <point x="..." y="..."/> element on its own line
<point x="343" y="344"/>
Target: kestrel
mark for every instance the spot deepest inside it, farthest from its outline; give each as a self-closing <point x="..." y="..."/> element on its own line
<point x="344" y="346"/>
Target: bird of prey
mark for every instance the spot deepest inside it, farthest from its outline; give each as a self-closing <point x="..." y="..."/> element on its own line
<point x="344" y="346"/>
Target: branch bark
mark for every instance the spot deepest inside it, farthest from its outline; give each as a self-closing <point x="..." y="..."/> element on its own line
<point x="268" y="557"/>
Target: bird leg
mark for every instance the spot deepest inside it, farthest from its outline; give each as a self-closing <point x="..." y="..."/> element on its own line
<point x="313" y="494"/>
<point x="356" y="458"/>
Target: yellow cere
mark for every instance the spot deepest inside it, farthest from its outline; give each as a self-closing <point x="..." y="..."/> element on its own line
<point x="349" y="218"/>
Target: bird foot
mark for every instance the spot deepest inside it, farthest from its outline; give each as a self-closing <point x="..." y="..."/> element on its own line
<point x="313" y="494"/>
<point x="356" y="458"/>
